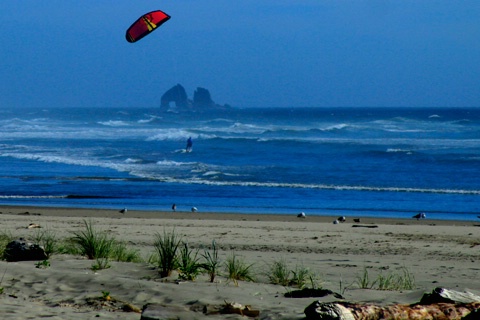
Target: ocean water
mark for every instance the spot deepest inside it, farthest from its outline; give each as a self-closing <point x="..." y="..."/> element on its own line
<point x="392" y="162"/>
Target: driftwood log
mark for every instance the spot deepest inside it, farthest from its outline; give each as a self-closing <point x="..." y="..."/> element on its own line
<point x="441" y="304"/>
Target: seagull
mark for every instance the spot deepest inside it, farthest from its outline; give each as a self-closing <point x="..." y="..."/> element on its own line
<point x="124" y="210"/>
<point x="301" y="215"/>
<point x="194" y="209"/>
<point x="420" y="215"/>
<point x="342" y="219"/>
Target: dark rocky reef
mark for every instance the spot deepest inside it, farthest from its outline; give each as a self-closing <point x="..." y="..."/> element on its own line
<point x="202" y="100"/>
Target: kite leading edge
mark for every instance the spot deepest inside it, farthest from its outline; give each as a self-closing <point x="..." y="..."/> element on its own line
<point x="146" y="24"/>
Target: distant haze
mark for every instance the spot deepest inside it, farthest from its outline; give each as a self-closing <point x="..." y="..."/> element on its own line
<point x="246" y="53"/>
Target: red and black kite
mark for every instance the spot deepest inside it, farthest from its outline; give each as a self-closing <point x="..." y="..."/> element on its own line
<point x="146" y="24"/>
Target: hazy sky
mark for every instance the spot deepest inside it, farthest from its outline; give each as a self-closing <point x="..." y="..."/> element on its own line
<point x="247" y="53"/>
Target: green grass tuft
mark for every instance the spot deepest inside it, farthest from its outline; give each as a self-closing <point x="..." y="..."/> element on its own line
<point x="92" y="243"/>
<point x="188" y="263"/>
<point x="48" y="240"/>
<point x="391" y="281"/>
<point x="237" y="269"/>
<point x="120" y="252"/>
<point x="212" y="262"/>
<point x="279" y="273"/>
<point x="166" y="246"/>
<point x="5" y="238"/>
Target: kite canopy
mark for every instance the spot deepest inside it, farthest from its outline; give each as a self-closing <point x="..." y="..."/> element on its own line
<point x="146" y="24"/>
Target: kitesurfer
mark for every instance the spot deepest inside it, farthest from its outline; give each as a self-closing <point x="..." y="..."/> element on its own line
<point x="189" y="145"/>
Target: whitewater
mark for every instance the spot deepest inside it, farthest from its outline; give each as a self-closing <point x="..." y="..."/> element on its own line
<point x="389" y="162"/>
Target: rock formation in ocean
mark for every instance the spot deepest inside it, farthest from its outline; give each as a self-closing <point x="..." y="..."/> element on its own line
<point x="175" y="94"/>
<point x="202" y="100"/>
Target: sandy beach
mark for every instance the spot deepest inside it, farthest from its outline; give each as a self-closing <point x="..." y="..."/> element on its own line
<point x="437" y="254"/>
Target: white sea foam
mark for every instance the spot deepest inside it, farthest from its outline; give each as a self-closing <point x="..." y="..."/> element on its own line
<point x="150" y="119"/>
<point x="171" y="163"/>
<point x="239" y="127"/>
<point x="114" y="123"/>
<point x="30" y="197"/>
<point x="53" y="159"/>
<point x="130" y="160"/>
<point x="319" y="186"/>
<point x="336" y="127"/>
<point x="172" y="134"/>
<point x="212" y="173"/>
<point x="394" y="150"/>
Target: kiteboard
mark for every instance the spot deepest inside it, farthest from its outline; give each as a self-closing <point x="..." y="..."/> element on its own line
<point x="182" y="151"/>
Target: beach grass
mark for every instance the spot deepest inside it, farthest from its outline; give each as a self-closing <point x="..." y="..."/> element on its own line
<point x="48" y="240"/>
<point x="92" y="243"/>
<point x="278" y="273"/>
<point x="212" y="261"/>
<point x="101" y="264"/>
<point x="43" y="264"/>
<point x="120" y="252"/>
<point x="303" y="277"/>
<point x="363" y="280"/>
<point x="189" y="265"/>
<point x="392" y="281"/>
<point x="238" y="269"/>
<point x="96" y="245"/>
<point x="68" y="246"/>
<point x="166" y="246"/>
<point x="5" y="238"/>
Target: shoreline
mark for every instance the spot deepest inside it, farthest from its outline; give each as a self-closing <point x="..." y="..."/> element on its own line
<point x="164" y="214"/>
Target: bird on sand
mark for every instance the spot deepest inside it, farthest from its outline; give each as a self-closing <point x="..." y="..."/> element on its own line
<point x="124" y="210"/>
<point x="356" y="220"/>
<point x="420" y="215"/>
<point x="342" y="219"/>
<point x="301" y="215"/>
<point x="194" y="209"/>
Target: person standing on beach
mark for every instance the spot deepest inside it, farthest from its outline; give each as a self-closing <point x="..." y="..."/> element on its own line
<point x="174" y="207"/>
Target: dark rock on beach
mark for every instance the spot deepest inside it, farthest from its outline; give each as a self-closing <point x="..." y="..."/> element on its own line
<point x="21" y="250"/>
<point x="311" y="293"/>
